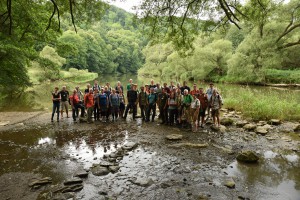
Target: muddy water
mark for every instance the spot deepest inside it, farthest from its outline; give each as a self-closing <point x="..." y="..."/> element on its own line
<point x="59" y="150"/>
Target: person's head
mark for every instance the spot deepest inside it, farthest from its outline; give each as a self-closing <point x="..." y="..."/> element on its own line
<point x="195" y="86"/>
<point x="102" y="90"/>
<point x="184" y="83"/>
<point x="151" y="90"/>
<point x="172" y="83"/>
<point x="185" y="92"/>
<point x="56" y="89"/>
<point x="64" y="88"/>
<point x="119" y="83"/>
<point x="130" y="80"/>
<point x="165" y="85"/>
<point x="142" y="88"/>
<point x="88" y="86"/>
<point x="211" y="85"/>
<point x="134" y="86"/>
<point x="158" y="85"/>
<point x="96" y="90"/>
<point x="201" y="90"/>
<point x="178" y="85"/>
<point x="74" y="91"/>
<point x="113" y="91"/>
<point x="215" y="91"/>
<point x="91" y="91"/>
<point x="105" y="88"/>
<point x="95" y="82"/>
<point x="152" y="82"/>
<point x="108" y="84"/>
<point x="77" y="88"/>
<point x="120" y="91"/>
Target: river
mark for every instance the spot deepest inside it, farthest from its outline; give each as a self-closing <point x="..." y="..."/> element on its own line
<point x="33" y="148"/>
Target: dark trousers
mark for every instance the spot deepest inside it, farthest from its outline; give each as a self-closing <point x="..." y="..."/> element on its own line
<point x="172" y="116"/>
<point x="96" y="112"/>
<point x="55" y="109"/>
<point x="75" y="111"/>
<point x="143" y="111"/>
<point x="131" y="105"/>
<point x="153" y="108"/>
<point x="114" y="111"/>
<point x="163" y="112"/>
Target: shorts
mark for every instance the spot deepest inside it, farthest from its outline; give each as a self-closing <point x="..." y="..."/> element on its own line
<point x="202" y="112"/>
<point x="215" y="113"/>
<point x="64" y="104"/>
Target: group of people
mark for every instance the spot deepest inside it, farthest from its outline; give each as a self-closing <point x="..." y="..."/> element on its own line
<point x="177" y="104"/>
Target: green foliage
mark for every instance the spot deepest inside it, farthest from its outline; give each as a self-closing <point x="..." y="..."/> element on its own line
<point x="282" y="76"/>
<point x="264" y="105"/>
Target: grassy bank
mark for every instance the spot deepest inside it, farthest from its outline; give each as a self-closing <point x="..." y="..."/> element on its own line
<point x="36" y="75"/>
<point x="258" y="105"/>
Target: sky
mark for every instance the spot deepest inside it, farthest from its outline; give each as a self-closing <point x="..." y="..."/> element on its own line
<point x="125" y="4"/>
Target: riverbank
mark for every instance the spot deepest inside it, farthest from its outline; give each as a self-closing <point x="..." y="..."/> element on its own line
<point x="189" y="166"/>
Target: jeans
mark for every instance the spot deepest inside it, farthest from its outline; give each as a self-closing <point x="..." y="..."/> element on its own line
<point x="55" y="109"/>
<point x="75" y="110"/>
<point x="143" y="111"/>
<point x="133" y="106"/>
<point x="153" y="108"/>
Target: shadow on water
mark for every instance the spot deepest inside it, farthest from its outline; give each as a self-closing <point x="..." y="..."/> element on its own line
<point x="55" y="153"/>
<point x="276" y="173"/>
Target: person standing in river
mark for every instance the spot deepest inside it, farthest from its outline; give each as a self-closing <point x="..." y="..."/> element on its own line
<point x="216" y="102"/>
<point x="96" y="105"/>
<point x="151" y="102"/>
<point x="203" y="105"/>
<point x="132" y="99"/>
<point x="115" y="104"/>
<point x="76" y="105"/>
<point x="103" y="104"/>
<point x="89" y="104"/>
<point x="56" y="97"/>
<point x="209" y="93"/>
<point x="64" y="94"/>
<point x="142" y="99"/>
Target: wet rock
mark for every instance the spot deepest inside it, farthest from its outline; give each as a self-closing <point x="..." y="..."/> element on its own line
<point x="73" y="188"/>
<point x="241" y="123"/>
<point x="99" y="171"/>
<point x="174" y="137"/>
<point x="4" y="123"/>
<point x="40" y="182"/>
<point x="249" y="127"/>
<point x="229" y="183"/>
<point x="104" y="163"/>
<point x="143" y="182"/>
<point x="261" y="130"/>
<point x="191" y="145"/>
<point x="247" y="157"/>
<point x="226" y="121"/>
<point x="274" y="122"/>
<point x="261" y="123"/>
<point x="73" y="181"/>
<point x="113" y="169"/>
<point x="81" y="174"/>
<point x="129" y="145"/>
<point x="289" y="127"/>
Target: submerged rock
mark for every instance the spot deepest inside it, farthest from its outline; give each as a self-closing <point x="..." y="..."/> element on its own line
<point x="226" y="121"/>
<point x="129" y="145"/>
<point x="73" y="181"/>
<point x="247" y="157"/>
<point x="100" y="171"/>
<point x="229" y="183"/>
<point x="113" y="169"/>
<point x="174" y="137"/>
<point x="81" y="174"/>
<point x="40" y="182"/>
<point x="144" y="182"/>
<point x="192" y="145"/>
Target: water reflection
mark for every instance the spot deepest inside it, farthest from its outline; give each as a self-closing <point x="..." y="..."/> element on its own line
<point x="276" y="170"/>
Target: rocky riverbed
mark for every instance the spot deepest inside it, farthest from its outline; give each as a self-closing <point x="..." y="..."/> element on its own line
<point x="136" y="160"/>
